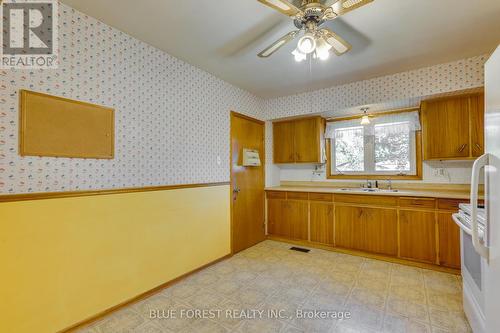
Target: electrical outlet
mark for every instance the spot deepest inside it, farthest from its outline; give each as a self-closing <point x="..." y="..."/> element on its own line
<point x="219" y="160"/>
<point x="440" y="172"/>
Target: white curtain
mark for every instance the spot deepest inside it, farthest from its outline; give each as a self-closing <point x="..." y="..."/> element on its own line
<point x="398" y="121"/>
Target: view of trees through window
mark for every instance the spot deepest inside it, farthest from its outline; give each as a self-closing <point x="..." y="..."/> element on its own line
<point x="376" y="148"/>
<point x="392" y="147"/>
<point x="349" y="148"/>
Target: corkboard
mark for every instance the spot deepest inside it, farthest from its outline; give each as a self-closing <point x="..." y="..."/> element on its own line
<point x="60" y="127"/>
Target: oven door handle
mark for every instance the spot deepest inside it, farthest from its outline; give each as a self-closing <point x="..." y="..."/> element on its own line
<point x="480" y="247"/>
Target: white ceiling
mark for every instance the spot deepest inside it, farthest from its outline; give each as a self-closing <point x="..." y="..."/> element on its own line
<point x="223" y="37"/>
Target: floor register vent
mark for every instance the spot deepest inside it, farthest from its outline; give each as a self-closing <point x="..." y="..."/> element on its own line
<point x="299" y="249"/>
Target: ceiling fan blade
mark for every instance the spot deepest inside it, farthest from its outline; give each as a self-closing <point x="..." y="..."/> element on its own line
<point x="278" y="44"/>
<point x="339" y="45"/>
<point x="282" y="6"/>
<point x="340" y="7"/>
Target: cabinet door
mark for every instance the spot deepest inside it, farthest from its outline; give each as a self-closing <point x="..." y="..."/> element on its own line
<point x="477" y="124"/>
<point x="297" y="213"/>
<point x="321" y="219"/>
<point x="449" y="241"/>
<point x="445" y="128"/>
<point x="380" y="230"/>
<point x="307" y="140"/>
<point x="277" y="224"/>
<point x="418" y="235"/>
<point x="283" y="142"/>
<point x="366" y="229"/>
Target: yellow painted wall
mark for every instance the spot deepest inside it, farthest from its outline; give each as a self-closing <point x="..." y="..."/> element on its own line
<point x="65" y="260"/>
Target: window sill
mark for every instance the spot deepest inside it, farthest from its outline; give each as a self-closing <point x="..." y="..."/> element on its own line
<point x="376" y="177"/>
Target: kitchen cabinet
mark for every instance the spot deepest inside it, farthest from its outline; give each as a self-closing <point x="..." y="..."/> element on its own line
<point x="277" y="224"/>
<point x="283" y="138"/>
<point x="418" y="235"/>
<point x="321" y="222"/>
<point x="296" y="215"/>
<point x="477" y="124"/>
<point x="449" y="241"/>
<point x="299" y="141"/>
<point x="416" y="229"/>
<point x="366" y="229"/>
<point x="287" y="218"/>
<point x="453" y="127"/>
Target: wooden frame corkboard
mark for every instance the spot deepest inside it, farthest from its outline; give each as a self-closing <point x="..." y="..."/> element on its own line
<point x="60" y="127"/>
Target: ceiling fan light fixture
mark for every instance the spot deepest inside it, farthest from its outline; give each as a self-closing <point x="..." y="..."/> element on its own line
<point x="322" y="49"/>
<point x="299" y="56"/>
<point x="307" y="44"/>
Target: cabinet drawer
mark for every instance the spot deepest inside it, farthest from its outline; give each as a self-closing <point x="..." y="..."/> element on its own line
<point x="418" y="202"/>
<point x="297" y="195"/>
<point x="275" y="195"/>
<point x="450" y="204"/>
<point x="321" y="197"/>
<point x="380" y="200"/>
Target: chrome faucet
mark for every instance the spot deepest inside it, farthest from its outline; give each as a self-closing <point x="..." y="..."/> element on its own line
<point x="389" y="184"/>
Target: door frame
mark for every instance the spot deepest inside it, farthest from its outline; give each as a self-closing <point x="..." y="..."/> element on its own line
<point x="233" y="115"/>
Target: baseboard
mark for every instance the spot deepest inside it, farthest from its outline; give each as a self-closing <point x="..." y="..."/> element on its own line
<point x="367" y="255"/>
<point x="100" y="315"/>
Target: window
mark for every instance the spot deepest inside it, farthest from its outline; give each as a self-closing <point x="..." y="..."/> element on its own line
<point x="386" y="147"/>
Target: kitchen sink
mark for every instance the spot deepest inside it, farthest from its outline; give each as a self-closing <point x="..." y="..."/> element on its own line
<point x="367" y="190"/>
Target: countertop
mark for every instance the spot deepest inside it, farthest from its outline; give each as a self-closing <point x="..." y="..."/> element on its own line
<point x="400" y="193"/>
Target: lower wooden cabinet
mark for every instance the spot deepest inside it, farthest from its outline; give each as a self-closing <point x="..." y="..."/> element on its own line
<point x="418" y="235"/>
<point x="277" y="224"/>
<point x="287" y="218"/>
<point x="410" y="228"/>
<point x="297" y="214"/>
<point x="366" y="229"/>
<point x="321" y="221"/>
<point x="449" y="241"/>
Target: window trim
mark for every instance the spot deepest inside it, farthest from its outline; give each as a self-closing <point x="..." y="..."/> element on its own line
<point x="418" y="160"/>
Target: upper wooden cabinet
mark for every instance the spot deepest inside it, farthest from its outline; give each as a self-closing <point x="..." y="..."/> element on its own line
<point x="453" y="127"/>
<point x="299" y="141"/>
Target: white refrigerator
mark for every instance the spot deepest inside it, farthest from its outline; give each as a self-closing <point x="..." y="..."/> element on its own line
<point x="480" y="243"/>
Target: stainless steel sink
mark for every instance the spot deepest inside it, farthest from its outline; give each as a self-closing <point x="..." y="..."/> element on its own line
<point x="367" y="190"/>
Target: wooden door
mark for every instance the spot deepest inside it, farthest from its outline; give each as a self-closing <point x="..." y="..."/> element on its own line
<point x="347" y="226"/>
<point x="418" y="235"/>
<point x="477" y="124"/>
<point x="449" y="241"/>
<point x="321" y="222"/>
<point x="296" y="213"/>
<point x="366" y="229"/>
<point x="445" y="128"/>
<point x="247" y="183"/>
<point x="277" y="224"/>
<point x="380" y="230"/>
<point x="283" y="142"/>
<point x="307" y="137"/>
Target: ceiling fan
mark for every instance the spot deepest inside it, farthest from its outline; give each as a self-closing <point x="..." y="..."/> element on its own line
<point x="308" y="18"/>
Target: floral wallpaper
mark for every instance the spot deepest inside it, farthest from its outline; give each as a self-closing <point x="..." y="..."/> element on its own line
<point x="172" y="119"/>
<point x="452" y="76"/>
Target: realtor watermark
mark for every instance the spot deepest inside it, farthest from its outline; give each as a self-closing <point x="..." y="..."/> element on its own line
<point x="29" y="34"/>
<point x="249" y="314"/>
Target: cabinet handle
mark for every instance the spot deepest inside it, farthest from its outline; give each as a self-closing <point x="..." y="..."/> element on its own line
<point x="462" y="148"/>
